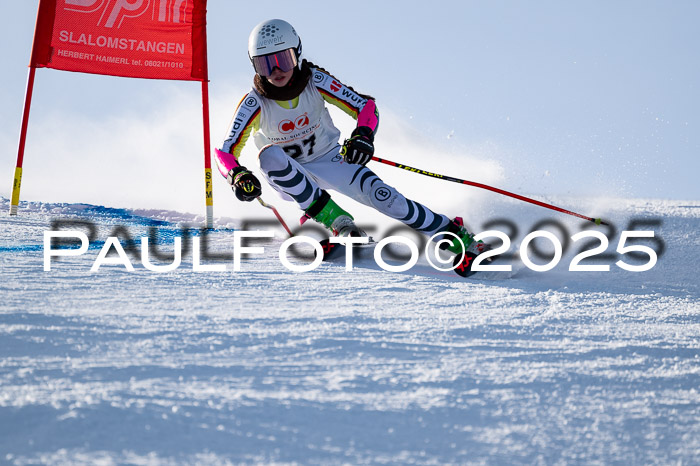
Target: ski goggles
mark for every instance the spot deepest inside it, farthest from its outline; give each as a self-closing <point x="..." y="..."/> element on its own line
<point x="285" y="60"/>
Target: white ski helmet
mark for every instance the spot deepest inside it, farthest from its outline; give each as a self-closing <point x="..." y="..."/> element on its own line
<point x="273" y="44"/>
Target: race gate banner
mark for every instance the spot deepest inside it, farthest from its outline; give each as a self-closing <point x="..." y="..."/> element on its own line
<point x="155" y="39"/>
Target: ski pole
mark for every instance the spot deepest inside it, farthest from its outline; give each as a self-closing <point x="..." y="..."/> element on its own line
<point x="597" y="221"/>
<point x="277" y="214"/>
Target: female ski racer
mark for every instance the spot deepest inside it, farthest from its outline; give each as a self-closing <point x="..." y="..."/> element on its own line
<point x="300" y="156"/>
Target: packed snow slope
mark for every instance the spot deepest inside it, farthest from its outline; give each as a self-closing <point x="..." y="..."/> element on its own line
<point x="332" y="366"/>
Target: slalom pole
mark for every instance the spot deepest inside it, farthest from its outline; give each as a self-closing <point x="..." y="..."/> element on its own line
<point x="208" y="190"/>
<point x="597" y="221"/>
<point x="17" y="182"/>
<point x="36" y="44"/>
<point x="277" y="214"/>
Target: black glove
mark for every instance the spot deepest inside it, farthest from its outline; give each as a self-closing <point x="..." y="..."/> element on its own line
<point x="359" y="148"/>
<point x="244" y="184"/>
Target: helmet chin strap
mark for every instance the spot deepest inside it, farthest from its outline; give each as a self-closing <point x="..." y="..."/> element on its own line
<point x="298" y="54"/>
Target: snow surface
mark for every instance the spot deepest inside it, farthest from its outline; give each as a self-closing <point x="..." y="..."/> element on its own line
<point x="270" y="366"/>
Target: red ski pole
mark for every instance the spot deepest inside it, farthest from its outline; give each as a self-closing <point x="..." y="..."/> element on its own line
<point x="277" y="214"/>
<point x="597" y="221"/>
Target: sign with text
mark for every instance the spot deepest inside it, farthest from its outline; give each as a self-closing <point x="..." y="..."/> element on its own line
<point x="155" y="39"/>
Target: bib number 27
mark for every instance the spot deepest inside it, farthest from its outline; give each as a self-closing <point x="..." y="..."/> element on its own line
<point x="297" y="150"/>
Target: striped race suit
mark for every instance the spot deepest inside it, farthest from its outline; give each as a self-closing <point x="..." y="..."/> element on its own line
<point x="299" y="150"/>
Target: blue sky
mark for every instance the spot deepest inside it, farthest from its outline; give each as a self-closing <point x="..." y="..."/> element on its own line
<point x="554" y="98"/>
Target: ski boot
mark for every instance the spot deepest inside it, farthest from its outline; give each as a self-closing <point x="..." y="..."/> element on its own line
<point x="329" y="214"/>
<point x="463" y="243"/>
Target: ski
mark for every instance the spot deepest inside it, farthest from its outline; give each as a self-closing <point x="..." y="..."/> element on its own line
<point x="463" y="264"/>
<point x="335" y="251"/>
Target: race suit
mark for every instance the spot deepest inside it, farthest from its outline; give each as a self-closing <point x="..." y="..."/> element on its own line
<point x="299" y="151"/>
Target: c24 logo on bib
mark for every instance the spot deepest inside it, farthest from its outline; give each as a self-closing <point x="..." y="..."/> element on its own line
<point x="287" y="126"/>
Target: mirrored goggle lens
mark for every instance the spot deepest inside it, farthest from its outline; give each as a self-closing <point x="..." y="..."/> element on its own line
<point x="284" y="60"/>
